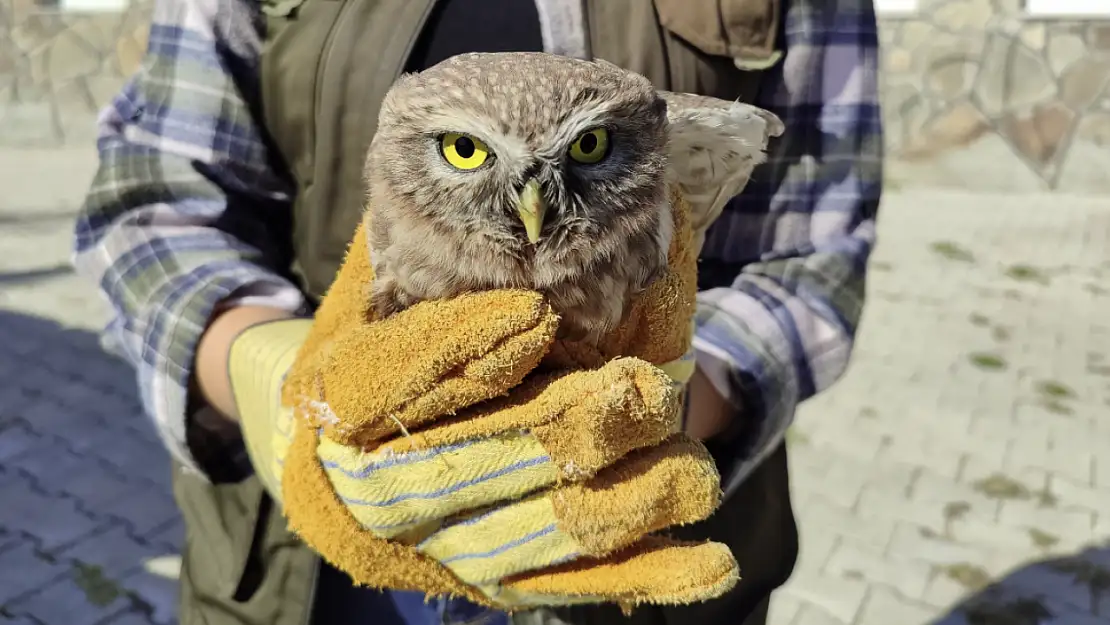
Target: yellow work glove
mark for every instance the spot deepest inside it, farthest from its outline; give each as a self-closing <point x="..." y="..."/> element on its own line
<point x="428" y="452"/>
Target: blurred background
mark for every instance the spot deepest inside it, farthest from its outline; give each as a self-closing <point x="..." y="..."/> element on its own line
<point x="958" y="474"/>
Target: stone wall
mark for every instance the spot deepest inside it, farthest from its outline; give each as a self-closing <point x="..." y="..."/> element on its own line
<point x="975" y="94"/>
<point x="978" y="96"/>
<point x="58" y="69"/>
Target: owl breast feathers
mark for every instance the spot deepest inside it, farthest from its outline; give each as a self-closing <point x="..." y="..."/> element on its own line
<point x="540" y="172"/>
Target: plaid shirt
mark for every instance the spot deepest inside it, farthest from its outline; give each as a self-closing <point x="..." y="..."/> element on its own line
<point x="181" y="215"/>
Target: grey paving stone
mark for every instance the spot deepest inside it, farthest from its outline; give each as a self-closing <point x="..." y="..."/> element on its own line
<point x="886" y="607"/>
<point x="21" y="345"/>
<point x="1077" y="523"/>
<point x="100" y="490"/>
<point x="157" y="596"/>
<point x="161" y="479"/>
<point x="170" y="536"/>
<point x="817" y="547"/>
<point x="145" y="511"/>
<point x="784" y="610"/>
<point x="17" y="440"/>
<point x="80" y="435"/>
<point x="48" y="415"/>
<point x="51" y="471"/>
<point x="52" y="521"/>
<point x="944" y="592"/>
<point x="1070" y="495"/>
<point x="113" y="551"/>
<point x="77" y="394"/>
<point x="909" y="576"/>
<point x="133" y="454"/>
<point x="862" y="527"/>
<point x="933" y="489"/>
<point x="839" y="597"/>
<point x="14" y="398"/>
<point x="23" y="570"/>
<point x="130" y="618"/>
<point x="911" y="543"/>
<point x="9" y="540"/>
<point x="82" y="597"/>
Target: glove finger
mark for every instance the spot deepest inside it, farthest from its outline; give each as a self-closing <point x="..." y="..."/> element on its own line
<point x="326" y="525"/>
<point x="585" y="419"/>
<point x="656" y="570"/>
<point x="378" y="379"/>
<point x="409" y="483"/>
<point x="392" y="494"/>
<point x="673" y="483"/>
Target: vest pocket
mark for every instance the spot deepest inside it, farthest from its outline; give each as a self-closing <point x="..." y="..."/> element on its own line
<point x="743" y="30"/>
<point x="222" y="525"/>
<point x="240" y="564"/>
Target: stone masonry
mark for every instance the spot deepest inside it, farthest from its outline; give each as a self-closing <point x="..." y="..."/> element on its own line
<point x="978" y="96"/>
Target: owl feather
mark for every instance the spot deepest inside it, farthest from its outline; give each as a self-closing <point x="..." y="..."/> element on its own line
<point x="546" y="173"/>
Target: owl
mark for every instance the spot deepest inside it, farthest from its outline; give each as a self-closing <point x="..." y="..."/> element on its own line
<point x="547" y="173"/>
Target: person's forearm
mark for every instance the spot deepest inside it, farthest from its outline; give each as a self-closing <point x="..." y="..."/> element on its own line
<point x="708" y="413"/>
<point x="211" y="373"/>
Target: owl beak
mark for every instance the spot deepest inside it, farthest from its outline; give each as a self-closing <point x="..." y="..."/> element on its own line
<point x="531" y="208"/>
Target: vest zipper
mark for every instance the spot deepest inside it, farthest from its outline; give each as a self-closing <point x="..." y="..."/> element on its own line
<point x="325" y="56"/>
<point x="411" y="43"/>
<point x="329" y="48"/>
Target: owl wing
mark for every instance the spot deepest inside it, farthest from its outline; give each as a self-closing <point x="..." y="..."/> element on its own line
<point x="713" y="147"/>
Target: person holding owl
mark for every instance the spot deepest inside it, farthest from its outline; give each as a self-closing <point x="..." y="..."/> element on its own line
<point x="231" y="182"/>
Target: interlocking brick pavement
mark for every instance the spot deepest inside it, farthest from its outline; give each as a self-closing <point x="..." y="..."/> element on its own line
<point x="83" y="479"/>
<point x="960" y="471"/>
<point x="953" y="476"/>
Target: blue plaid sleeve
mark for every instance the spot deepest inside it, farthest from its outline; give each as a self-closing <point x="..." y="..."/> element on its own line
<point x="186" y="208"/>
<point x="802" y="230"/>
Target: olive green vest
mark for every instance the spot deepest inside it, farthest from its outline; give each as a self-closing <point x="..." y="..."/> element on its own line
<point x="325" y="67"/>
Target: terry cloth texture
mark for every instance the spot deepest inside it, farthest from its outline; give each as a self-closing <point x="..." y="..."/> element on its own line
<point x="458" y="448"/>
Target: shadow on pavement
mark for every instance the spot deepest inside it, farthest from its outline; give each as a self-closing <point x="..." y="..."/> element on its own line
<point x="89" y="531"/>
<point x="1067" y="590"/>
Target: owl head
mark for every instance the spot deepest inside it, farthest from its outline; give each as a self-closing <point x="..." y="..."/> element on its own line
<point x="543" y="157"/>
<point x="542" y="172"/>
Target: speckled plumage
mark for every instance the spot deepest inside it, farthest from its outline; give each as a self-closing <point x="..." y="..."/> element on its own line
<point x="436" y="231"/>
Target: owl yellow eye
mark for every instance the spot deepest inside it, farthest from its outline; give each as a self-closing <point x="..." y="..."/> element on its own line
<point x="591" y="147"/>
<point x="463" y="151"/>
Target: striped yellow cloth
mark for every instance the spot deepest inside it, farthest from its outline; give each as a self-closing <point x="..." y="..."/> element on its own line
<point x="390" y="493"/>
